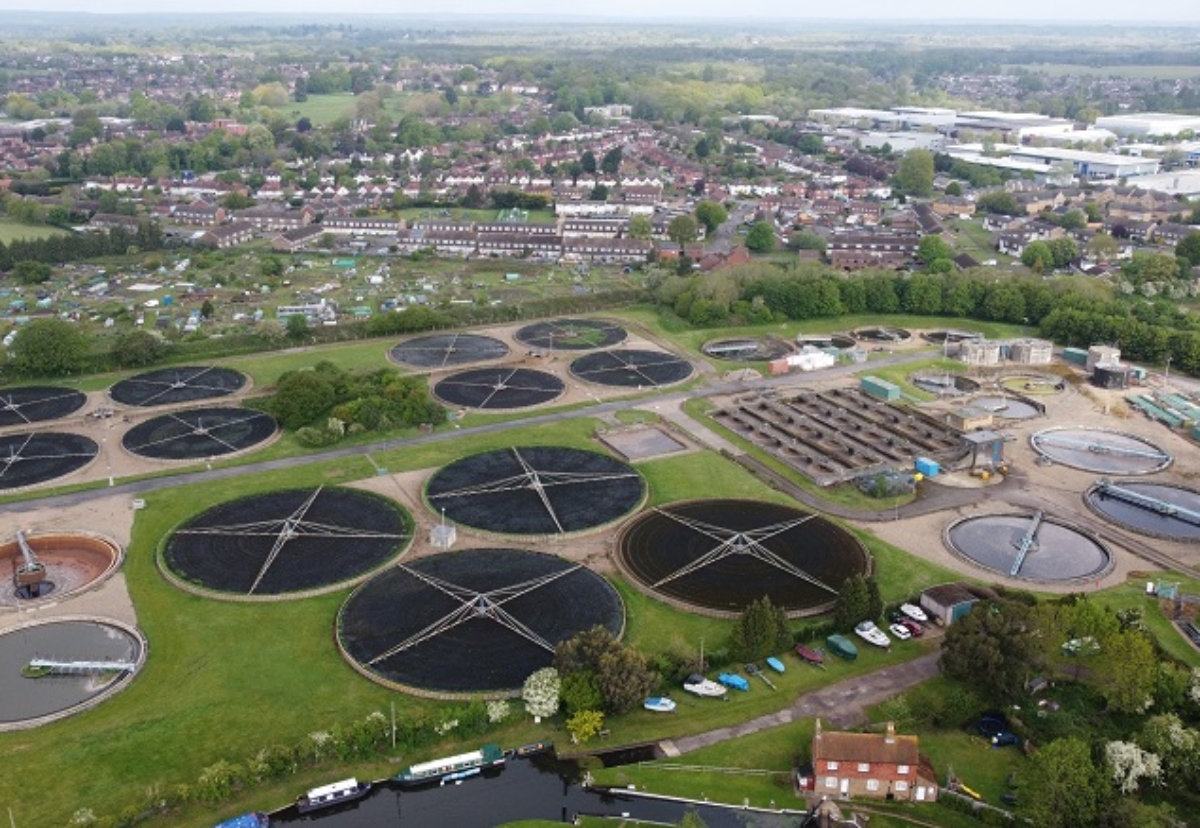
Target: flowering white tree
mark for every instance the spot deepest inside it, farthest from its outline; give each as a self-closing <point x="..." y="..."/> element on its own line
<point x="1194" y="690"/>
<point x="1130" y="765"/>
<point x="541" y="693"/>
<point x="497" y="710"/>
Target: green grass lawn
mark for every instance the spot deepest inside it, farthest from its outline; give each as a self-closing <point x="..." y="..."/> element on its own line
<point x="1132" y="594"/>
<point x="901" y="375"/>
<point x="11" y="231"/>
<point x="476" y="215"/>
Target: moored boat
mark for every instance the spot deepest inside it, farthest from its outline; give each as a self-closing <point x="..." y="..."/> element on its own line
<point x="487" y="756"/>
<point x="776" y="665"/>
<point x="868" y="632"/>
<point x="810" y="655"/>
<point x="701" y="686"/>
<point x="659" y="704"/>
<point x="251" y="820"/>
<point x="533" y="749"/>
<point x="734" y="680"/>
<point x="459" y="776"/>
<point x="842" y="647"/>
<point x="915" y="613"/>
<point x="335" y="793"/>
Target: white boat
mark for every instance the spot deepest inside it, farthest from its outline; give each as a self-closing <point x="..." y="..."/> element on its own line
<point x="333" y="794"/>
<point x="701" y="686"/>
<point x="659" y="704"/>
<point x="915" y="613"/>
<point x="867" y="631"/>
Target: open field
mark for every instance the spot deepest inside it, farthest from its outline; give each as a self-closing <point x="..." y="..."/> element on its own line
<point x="325" y="109"/>
<point x="10" y="231"/>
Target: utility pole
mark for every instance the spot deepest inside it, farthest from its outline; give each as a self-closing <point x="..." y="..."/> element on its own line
<point x="393" y="724"/>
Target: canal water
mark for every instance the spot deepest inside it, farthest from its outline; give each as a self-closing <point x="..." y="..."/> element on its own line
<point x="535" y="788"/>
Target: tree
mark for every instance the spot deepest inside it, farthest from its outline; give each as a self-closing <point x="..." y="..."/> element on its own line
<point x="610" y="164"/>
<point x="32" y="273"/>
<point x="588" y="162"/>
<point x="853" y="603"/>
<point x="625" y="679"/>
<point x="598" y="193"/>
<point x="1064" y="251"/>
<point x="270" y="266"/>
<point x="584" y="725"/>
<point x="1103" y="246"/>
<point x="761" y="238"/>
<point x="1038" y="257"/>
<point x="806" y="240"/>
<point x="297" y="327"/>
<point x="1129" y="765"/>
<point x="954" y="189"/>
<point x="992" y="649"/>
<point x="933" y="248"/>
<point x="682" y="230"/>
<point x="581" y="691"/>
<point x="207" y="310"/>
<point x="711" y="214"/>
<point x="137" y="348"/>
<point x="1189" y="248"/>
<point x="303" y="397"/>
<point x="540" y="693"/>
<point x="1063" y="787"/>
<point x="237" y="201"/>
<point x="640" y="227"/>
<point x="1001" y="202"/>
<point x="915" y="174"/>
<point x="874" y="599"/>
<point x="1126" y="671"/>
<point x="50" y="348"/>
<point x="761" y="630"/>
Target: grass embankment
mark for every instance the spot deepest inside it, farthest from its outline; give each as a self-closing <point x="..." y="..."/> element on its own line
<point x="11" y="231"/>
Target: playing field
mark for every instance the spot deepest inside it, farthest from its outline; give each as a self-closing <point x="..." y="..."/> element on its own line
<point x="11" y="231"/>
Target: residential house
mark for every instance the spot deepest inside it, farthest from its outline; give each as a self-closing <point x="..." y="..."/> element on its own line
<point x="290" y="241"/>
<point x="869" y="766"/>
<point x="227" y="235"/>
<point x="953" y="207"/>
<point x="109" y="221"/>
<point x="631" y="251"/>
<point x="268" y="219"/>
<point x="199" y="213"/>
<point x="855" y="251"/>
<point x="361" y="226"/>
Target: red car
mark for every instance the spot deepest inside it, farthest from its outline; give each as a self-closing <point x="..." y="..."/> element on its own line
<point x="913" y="627"/>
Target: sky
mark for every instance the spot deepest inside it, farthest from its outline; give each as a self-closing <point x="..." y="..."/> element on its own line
<point x="1016" y="11"/>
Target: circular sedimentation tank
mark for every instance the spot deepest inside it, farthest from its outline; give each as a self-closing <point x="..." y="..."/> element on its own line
<point x="950" y="336"/>
<point x="500" y="388"/>
<point x="571" y="335"/>
<point x="447" y="350"/>
<point x="199" y="433"/>
<point x="1156" y="509"/>
<point x="290" y="542"/>
<point x="718" y="556"/>
<point x="944" y="383"/>
<point x="747" y="349"/>
<point x="72" y="562"/>
<point x="173" y="386"/>
<point x="842" y="342"/>
<point x="883" y="333"/>
<point x="476" y="621"/>
<point x="1034" y="384"/>
<point x="1100" y="450"/>
<point x="629" y="368"/>
<point x="92" y="659"/>
<point x="1029" y="547"/>
<point x="1004" y="407"/>
<point x="33" y="459"/>
<point x="37" y="403"/>
<point x="535" y="490"/>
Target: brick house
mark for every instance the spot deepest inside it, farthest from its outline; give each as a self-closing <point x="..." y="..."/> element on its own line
<point x="869" y="765"/>
<point x="227" y="235"/>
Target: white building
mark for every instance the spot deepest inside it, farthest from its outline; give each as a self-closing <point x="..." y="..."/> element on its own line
<point x="1089" y="164"/>
<point x="1149" y="123"/>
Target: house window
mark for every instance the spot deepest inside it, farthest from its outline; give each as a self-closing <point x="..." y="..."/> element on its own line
<point x="900" y="787"/>
<point x="831" y="765"/>
<point x="872" y="784"/>
<point x="864" y="767"/>
<point x="831" y="782"/>
<point x="902" y="770"/>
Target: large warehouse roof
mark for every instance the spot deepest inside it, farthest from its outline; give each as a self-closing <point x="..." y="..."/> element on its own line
<point x="1149" y="123"/>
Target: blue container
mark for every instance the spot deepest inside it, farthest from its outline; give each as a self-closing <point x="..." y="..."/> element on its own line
<point x="927" y="467"/>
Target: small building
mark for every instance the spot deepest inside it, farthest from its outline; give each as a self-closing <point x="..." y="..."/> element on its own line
<point x="880" y="389"/>
<point x="1110" y="375"/>
<point x="986" y="449"/>
<point x="1076" y="356"/>
<point x="947" y="603"/>
<point x="969" y="418"/>
<point x="869" y="766"/>
<point x="1031" y="351"/>
<point x="1102" y="353"/>
<point x="979" y="352"/>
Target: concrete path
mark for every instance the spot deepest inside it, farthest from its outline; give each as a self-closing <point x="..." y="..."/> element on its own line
<point x="842" y="705"/>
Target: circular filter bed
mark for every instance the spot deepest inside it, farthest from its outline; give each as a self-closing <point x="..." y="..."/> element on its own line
<point x="51" y="669"/>
<point x="751" y="349"/>
<point x="883" y="334"/>
<point x="840" y="341"/>
<point x="1155" y="509"/>
<point x="950" y="336"/>
<point x="285" y="542"/>
<point x="474" y="621"/>
<point x="37" y="403"/>
<point x="1034" y="384"/>
<point x="31" y="459"/>
<point x="571" y="335"/>
<point x="199" y="433"/>
<point x="499" y="388"/>
<point x="172" y="386"/>
<point x="63" y="564"/>
<point x="445" y="350"/>
<point x="535" y="491"/>
<point x="1099" y="450"/>
<point x="1005" y="408"/>
<point x="718" y="556"/>
<point x="631" y="369"/>
<point x="1028" y="547"/>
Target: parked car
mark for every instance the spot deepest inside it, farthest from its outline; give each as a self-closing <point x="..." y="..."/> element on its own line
<point x="900" y="631"/>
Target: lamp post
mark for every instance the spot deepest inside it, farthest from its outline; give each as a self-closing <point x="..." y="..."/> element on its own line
<point x="1167" y="371"/>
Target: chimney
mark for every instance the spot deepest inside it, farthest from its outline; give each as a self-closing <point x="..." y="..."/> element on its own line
<point x="890" y="736"/>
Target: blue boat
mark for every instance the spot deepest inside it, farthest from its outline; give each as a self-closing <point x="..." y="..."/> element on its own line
<point x="253" y="820"/>
<point x="775" y="664"/>
<point x="659" y="704"/>
<point x="735" y="681"/>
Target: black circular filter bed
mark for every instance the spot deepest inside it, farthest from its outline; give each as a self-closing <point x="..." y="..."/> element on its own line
<point x="1099" y="450"/>
<point x="1031" y="547"/>
<point x="288" y="541"/>
<point x="571" y="335"/>
<point x="37" y="403"/>
<point x="747" y="349"/>
<point x="631" y="369"/>
<point x="535" y="490"/>
<point x="474" y="621"/>
<point x="445" y="350"/>
<point x="1155" y="509"/>
<point x="720" y="555"/>
<point x="171" y="386"/>
<point x="198" y="433"/>
<point x="30" y="459"/>
<point x="499" y="388"/>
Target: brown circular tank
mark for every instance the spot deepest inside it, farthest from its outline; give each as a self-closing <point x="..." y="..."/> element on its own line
<point x="62" y="564"/>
